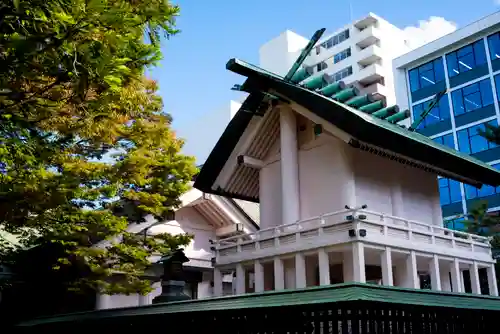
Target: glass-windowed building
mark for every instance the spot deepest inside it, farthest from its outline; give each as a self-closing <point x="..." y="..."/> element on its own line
<point x="465" y="64"/>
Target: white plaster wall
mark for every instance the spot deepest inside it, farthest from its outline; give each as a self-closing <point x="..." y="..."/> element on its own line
<point x="204" y="290"/>
<point x="188" y="220"/>
<point x="332" y="174"/>
<point x="116" y="301"/>
<point x="270" y="195"/>
<point x="156" y="291"/>
<point x="421" y="196"/>
<point x="326" y="178"/>
<point x="374" y="179"/>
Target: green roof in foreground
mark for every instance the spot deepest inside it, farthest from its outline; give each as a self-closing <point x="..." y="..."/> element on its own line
<point x="368" y="131"/>
<point x="337" y="293"/>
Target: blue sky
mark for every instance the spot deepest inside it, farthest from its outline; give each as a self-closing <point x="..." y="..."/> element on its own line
<point x="193" y="80"/>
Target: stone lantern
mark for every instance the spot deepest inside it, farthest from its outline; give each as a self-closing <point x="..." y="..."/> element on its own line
<point x="172" y="280"/>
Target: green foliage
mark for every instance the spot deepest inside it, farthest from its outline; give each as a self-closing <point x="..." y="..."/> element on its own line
<point x="481" y="223"/>
<point x="85" y="148"/>
<point x="491" y="133"/>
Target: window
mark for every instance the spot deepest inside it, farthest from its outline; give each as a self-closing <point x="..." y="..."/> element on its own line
<point x="472" y="97"/>
<point x="332" y="41"/>
<point x="426" y="75"/>
<point x="473" y="192"/>
<point x="455" y="224"/>
<point x="470" y="141"/>
<point x="494" y="46"/>
<point x="321" y="66"/>
<point x="342" y="55"/>
<point x="497" y="85"/>
<point x="342" y="74"/>
<point x="466" y="58"/>
<point x="344" y="35"/>
<point x="449" y="191"/>
<point x="446" y="140"/>
<point x="440" y="112"/>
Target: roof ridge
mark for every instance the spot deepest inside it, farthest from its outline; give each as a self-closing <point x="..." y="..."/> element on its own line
<point x="348" y="95"/>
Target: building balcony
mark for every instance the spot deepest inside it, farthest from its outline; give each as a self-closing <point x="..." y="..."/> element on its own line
<point x="366" y="22"/>
<point x="355" y="246"/>
<point x="369" y="55"/>
<point x="368" y="36"/>
<point x="377" y="90"/>
<point x="336" y="228"/>
<point x="370" y="74"/>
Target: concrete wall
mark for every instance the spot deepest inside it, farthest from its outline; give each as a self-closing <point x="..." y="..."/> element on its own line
<point x="279" y="54"/>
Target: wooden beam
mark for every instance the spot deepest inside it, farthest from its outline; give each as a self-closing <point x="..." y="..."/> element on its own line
<point x="250" y="162"/>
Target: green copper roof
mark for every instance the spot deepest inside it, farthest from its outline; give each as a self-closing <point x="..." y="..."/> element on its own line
<point x="337" y="293"/>
<point x="365" y="128"/>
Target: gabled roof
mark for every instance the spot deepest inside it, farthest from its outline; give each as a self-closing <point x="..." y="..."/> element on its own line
<point x="250" y="210"/>
<point x="367" y="132"/>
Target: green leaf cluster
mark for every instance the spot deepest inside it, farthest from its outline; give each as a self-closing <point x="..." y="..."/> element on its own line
<point x="480" y="222"/>
<point x="85" y="147"/>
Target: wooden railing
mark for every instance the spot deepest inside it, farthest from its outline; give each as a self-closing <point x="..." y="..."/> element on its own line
<point x="379" y="228"/>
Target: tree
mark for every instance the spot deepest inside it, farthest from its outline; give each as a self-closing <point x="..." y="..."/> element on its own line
<point x="480" y="222"/>
<point x="479" y="212"/>
<point x="491" y="133"/>
<point x="85" y="148"/>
